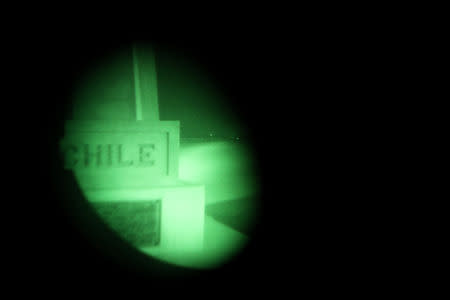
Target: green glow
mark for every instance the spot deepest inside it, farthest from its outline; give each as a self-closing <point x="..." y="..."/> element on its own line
<point x="226" y="168"/>
<point x="123" y="164"/>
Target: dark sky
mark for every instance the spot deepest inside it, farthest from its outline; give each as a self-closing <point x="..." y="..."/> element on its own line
<point x="192" y="94"/>
<point x="190" y="90"/>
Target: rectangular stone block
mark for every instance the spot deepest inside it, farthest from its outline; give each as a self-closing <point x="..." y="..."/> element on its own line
<point x="182" y="210"/>
<point x="119" y="154"/>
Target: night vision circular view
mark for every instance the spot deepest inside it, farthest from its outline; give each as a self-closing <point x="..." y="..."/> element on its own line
<point x="161" y="158"/>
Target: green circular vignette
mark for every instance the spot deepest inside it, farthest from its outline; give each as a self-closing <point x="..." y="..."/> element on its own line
<point x="217" y="175"/>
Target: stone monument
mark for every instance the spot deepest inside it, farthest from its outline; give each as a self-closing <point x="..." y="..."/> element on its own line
<point x="128" y="168"/>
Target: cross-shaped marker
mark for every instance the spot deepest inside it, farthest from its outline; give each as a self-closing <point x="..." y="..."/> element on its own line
<point x="145" y="84"/>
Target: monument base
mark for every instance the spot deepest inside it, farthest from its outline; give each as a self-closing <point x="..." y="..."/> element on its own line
<point x="166" y="218"/>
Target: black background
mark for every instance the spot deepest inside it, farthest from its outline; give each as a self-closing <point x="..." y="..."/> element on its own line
<point x="297" y="92"/>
